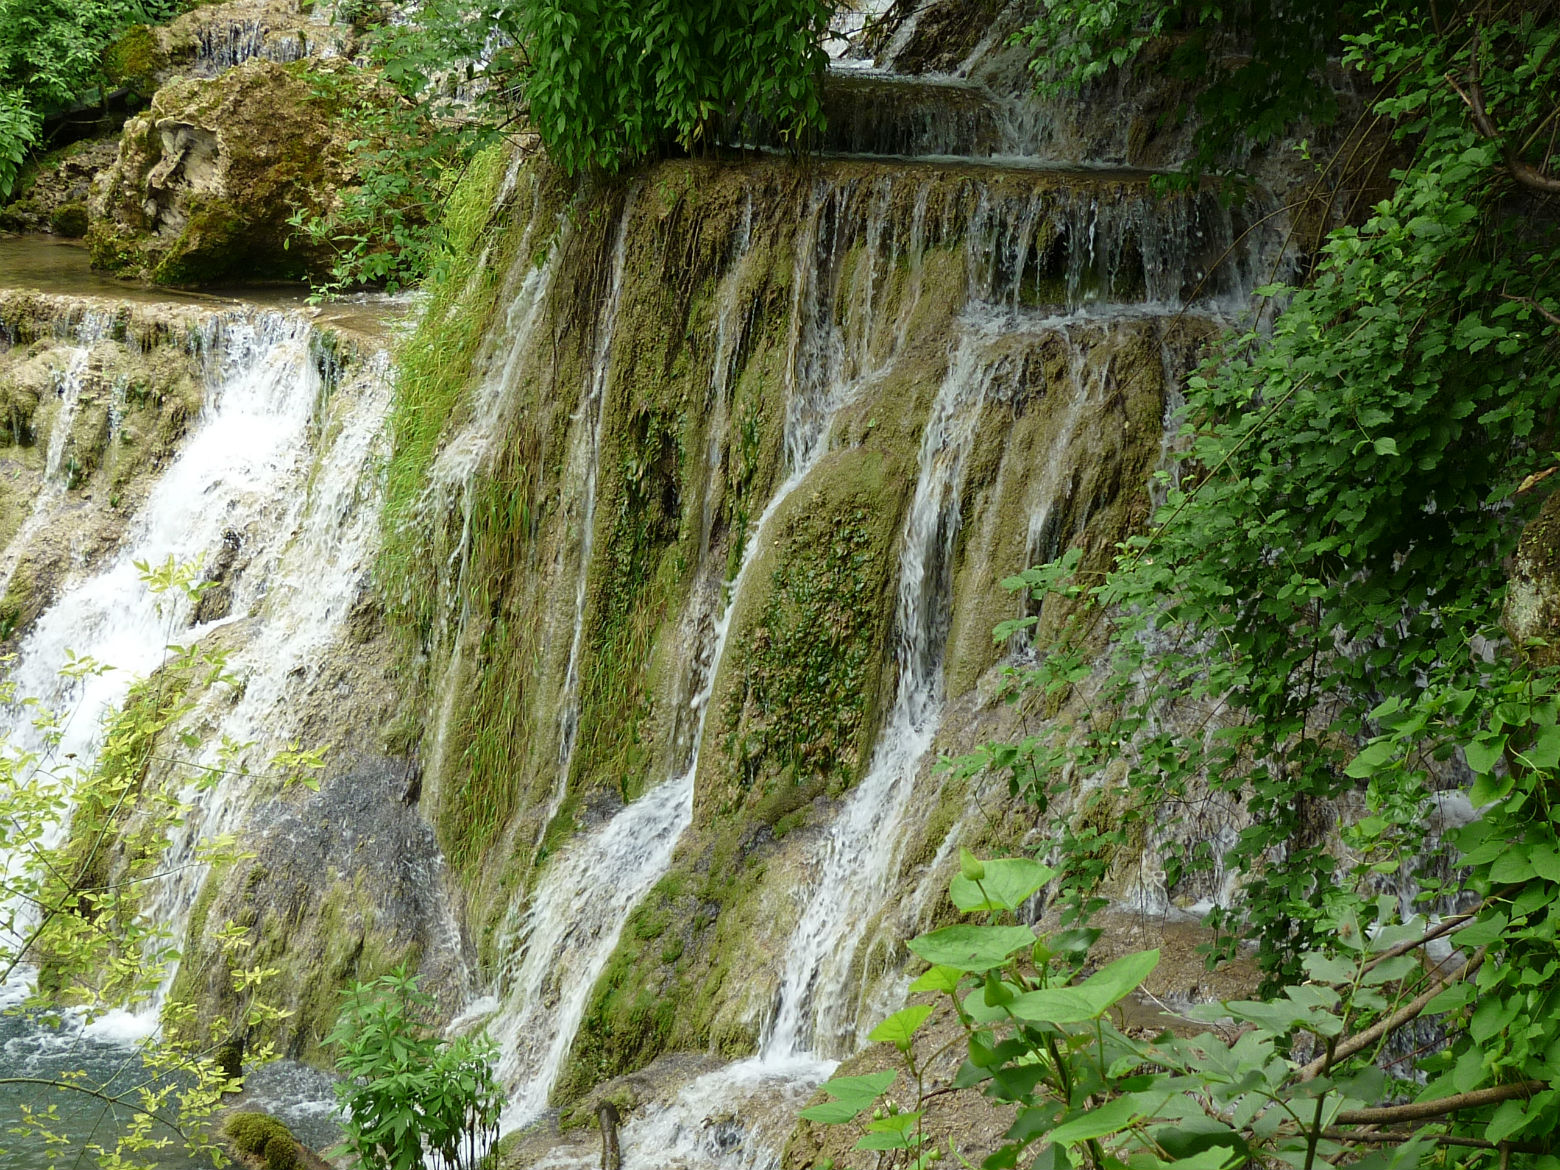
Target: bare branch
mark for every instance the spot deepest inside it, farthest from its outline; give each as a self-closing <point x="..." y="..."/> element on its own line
<point x="1424" y="1110"/>
<point x="1389" y="1136"/>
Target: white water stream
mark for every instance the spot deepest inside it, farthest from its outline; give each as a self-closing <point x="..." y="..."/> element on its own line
<point x="268" y="463"/>
<point x="574" y="919"/>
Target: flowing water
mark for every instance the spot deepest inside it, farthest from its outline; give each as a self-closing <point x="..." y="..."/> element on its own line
<point x="281" y="461"/>
<point x="285" y="459"/>
<point x="573" y="921"/>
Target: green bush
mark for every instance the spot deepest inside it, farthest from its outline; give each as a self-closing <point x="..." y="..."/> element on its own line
<point x="407" y="1093"/>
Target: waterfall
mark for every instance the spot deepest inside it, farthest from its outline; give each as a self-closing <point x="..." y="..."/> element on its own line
<point x="584" y="465"/>
<point x="574" y="919"/>
<point x="858" y="864"/>
<point x="252" y="467"/>
<point x="55" y="482"/>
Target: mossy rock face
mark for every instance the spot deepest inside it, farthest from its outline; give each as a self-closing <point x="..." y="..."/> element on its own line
<point x="208" y="178"/>
<point x="52" y="191"/>
<point x="1532" y="613"/>
<point x="135" y="60"/>
<point x="332" y="894"/>
<point x="69" y="219"/>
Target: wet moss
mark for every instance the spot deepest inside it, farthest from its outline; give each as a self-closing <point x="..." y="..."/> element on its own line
<point x="69" y="219"/>
<point x="134" y="60"/>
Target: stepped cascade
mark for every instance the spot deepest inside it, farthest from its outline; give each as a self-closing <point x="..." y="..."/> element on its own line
<point x="635" y="620"/>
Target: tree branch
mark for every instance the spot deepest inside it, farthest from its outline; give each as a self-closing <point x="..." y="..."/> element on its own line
<point x="1393" y="1022"/>
<point x="1473" y="97"/>
<point x="1423" y="1110"/>
<point x="1388" y="1136"/>
<point x="109" y="1098"/>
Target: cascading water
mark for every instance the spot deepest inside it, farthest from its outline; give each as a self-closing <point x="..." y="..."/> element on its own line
<point x="308" y="518"/>
<point x="55" y="476"/>
<point x="584" y="465"/>
<point x="814" y="990"/>
<point x="574" y="920"/>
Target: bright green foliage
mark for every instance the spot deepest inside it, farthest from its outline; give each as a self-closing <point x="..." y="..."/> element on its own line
<point x="1305" y="1078"/>
<point x="407" y="1093"/>
<point x="84" y="844"/>
<point x="50" y="59"/>
<point x="1330" y="552"/>
<point x="612" y="80"/>
<point x="443" y="110"/>
<point x="18" y="135"/>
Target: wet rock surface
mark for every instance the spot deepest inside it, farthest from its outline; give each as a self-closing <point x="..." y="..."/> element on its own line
<point x="343" y="883"/>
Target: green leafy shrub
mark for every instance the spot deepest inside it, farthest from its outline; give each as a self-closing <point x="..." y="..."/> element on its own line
<point x="1309" y="1077"/>
<point x="612" y="81"/>
<point x="408" y="1094"/>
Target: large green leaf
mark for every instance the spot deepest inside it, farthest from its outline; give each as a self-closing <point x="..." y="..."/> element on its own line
<point x="900" y="1027"/>
<point x="1108" y="1118"/>
<point x="972" y="948"/>
<point x="852" y="1097"/>
<point x="1008" y="882"/>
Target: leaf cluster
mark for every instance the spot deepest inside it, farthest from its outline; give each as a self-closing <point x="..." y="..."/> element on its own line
<point x="1306" y="1077"/>
<point x="51" y="59"/>
<point x="407" y="1093"/>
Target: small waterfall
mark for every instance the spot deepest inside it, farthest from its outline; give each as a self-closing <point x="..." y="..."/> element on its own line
<point x="815" y="991"/>
<point x="583" y="468"/>
<point x="309" y="524"/>
<point x="574" y="918"/>
<point x="55" y="481"/>
<point x="220" y="47"/>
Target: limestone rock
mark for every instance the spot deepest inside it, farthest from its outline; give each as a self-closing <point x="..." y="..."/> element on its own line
<point x="212" y="38"/>
<point x="1533" y="598"/>
<point x="53" y="198"/>
<point x="208" y="177"/>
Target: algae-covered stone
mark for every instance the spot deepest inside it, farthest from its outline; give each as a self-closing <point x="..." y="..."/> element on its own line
<point x="338" y="886"/>
<point x="135" y="59"/>
<point x="209" y="177"/>
<point x="1532" y="614"/>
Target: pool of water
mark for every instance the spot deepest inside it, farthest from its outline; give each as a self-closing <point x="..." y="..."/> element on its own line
<point x="54" y="265"/>
<point x="103" y="1058"/>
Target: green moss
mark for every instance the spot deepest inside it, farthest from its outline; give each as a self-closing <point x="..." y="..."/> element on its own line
<point x="260" y="1135"/>
<point x="69" y="219"/>
<point x="281" y="1153"/>
<point x="803" y="689"/>
<point x="18" y="603"/>
<point x="134" y="59"/>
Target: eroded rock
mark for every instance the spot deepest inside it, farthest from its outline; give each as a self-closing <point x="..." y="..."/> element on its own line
<point x="208" y="178"/>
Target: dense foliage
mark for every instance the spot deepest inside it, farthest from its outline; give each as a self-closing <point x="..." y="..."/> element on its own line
<point x="408" y="1095"/>
<point x="1306" y="1078"/>
<point x="612" y="81"/>
<point x="51" y="59"/>
<point x="1329" y="556"/>
<point x="1308" y="639"/>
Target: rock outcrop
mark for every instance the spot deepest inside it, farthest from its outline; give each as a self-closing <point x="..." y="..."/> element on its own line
<point x="208" y="178"/>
